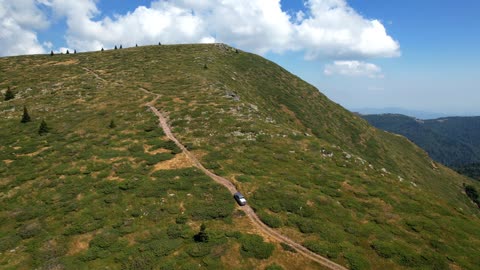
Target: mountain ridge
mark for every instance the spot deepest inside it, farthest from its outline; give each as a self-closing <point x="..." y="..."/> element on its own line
<point x="450" y="140"/>
<point x="309" y="168"/>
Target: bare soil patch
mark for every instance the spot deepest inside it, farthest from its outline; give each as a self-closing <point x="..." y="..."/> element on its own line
<point x="80" y="243"/>
<point x="178" y="162"/>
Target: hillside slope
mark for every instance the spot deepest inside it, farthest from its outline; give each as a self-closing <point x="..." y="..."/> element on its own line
<point x="87" y="195"/>
<point x="453" y="141"/>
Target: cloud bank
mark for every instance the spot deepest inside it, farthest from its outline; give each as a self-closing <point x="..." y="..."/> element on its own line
<point x="326" y="29"/>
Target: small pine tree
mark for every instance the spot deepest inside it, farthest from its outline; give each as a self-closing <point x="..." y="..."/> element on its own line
<point x="205" y="66"/>
<point x="43" y="128"/>
<point x="121" y="47"/>
<point x="9" y="94"/>
<point x="74" y="51"/>
<point x="136" y="45"/>
<point x="26" y="117"/>
<point x="102" y="49"/>
<point x="116" y="47"/>
<point x="236" y="50"/>
<point x="202" y="235"/>
<point x="112" y="124"/>
<point x="51" y="53"/>
<point x="68" y="52"/>
<point x="159" y="43"/>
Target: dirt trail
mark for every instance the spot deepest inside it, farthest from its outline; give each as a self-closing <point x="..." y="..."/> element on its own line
<point x="226" y="183"/>
<point x="94" y="74"/>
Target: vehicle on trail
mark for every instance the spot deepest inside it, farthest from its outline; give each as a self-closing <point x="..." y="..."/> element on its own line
<point x="240" y="199"/>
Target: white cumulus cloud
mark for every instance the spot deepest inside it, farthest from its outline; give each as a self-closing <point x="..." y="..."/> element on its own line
<point x="19" y="21"/>
<point x="353" y="68"/>
<point x="326" y="29"/>
<point x="335" y="30"/>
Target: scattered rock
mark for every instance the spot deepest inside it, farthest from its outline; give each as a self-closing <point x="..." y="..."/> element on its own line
<point x="233" y="95"/>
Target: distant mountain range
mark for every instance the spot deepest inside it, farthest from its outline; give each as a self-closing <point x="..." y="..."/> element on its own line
<point x="394" y="110"/>
<point x="453" y="141"/>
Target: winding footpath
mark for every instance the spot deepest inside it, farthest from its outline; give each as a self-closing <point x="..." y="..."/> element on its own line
<point x="226" y="183"/>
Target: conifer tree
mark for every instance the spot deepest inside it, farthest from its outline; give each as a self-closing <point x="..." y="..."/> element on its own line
<point x="102" y="49"/>
<point x="121" y="47"/>
<point x="68" y="52"/>
<point x="159" y="43"/>
<point x="205" y="66"/>
<point x="43" y="128"/>
<point x="116" y="47"/>
<point x="51" y="53"/>
<point x="26" y="117"/>
<point x="201" y="236"/>
<point x="112" y="124"/>
<point x="9" y="94"/>
<point x="136" y="45"/>
<point x="74" y="51"/>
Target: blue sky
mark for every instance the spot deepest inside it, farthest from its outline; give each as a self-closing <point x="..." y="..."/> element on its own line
<point x="438" y="70"/>
<point x="420" y="55"/>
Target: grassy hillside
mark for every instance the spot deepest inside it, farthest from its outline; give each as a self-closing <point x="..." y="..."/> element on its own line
<point x="453" y="141"/>
<point x="86" y="195"/>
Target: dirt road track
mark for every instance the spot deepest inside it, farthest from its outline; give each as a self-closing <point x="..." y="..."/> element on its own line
<point x="226" y="183"/>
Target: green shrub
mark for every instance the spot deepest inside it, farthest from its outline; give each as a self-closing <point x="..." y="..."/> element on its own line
<point x="244" y="178"/>
<point x="287" y="247"/>
<point x="106" y="187"/>
<point x="198" y="250"/>
<point x="253" y="246"/>
<point x="384" y="250"/>
<point x="409" y="258"/>
<point x="170" y="145"/>
<point x="139" y="260"/>
<point x="356" y="261"/>
<point x="163" y="247"/>
<point x="29" y="213"/>
<point x="181" y="219"/>
<point x="104" y="240"/>
<point x="91" y="254"/>
<point x="270" y="220"/>
<point x="175" y="231"/>
<point x="323" y="248"/>
<point x="9" y="242"/>
<point x="154" y="159"/>
<point x="234" y="234"/>
<point x="83" y="224"/>
<point x="128" y="184"/>
<point x="29" y="230"/>
<point x="274" y="267"/>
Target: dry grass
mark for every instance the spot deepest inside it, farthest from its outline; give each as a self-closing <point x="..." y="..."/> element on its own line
<point x="34" y="153"/>
<point x="80" y="243"/>
<point x="180" y="161"/>
<point x="67" y="63"/>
